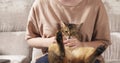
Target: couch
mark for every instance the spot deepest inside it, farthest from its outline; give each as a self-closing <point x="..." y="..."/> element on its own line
<point x="112" y="54"/>
<point x="13" y="19"/>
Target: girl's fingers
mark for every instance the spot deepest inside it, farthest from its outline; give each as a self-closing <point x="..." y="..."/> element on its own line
<point x="66" y="41"/>
<point x="70" y="44"/>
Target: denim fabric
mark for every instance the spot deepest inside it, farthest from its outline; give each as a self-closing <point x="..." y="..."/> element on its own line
<point x="43" y="59"/>
<point x="97" y="61"/>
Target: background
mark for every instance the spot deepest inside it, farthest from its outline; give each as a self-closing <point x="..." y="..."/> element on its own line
<point x="13" y="19"/>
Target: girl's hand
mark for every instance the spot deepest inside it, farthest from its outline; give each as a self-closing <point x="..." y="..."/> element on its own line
<point x="73" y="42"/>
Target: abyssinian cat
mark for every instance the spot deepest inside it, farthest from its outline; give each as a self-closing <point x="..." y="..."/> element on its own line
<point x="58" y="53"/>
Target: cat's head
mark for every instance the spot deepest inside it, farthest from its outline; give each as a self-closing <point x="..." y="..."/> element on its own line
<point x="69" y="29"/>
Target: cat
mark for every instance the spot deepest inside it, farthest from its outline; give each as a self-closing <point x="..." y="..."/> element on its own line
<point x="58" y="53"/>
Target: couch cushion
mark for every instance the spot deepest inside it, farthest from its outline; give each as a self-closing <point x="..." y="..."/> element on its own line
<point x="114" y="22"/>
<point x="13" y="43"/>
<point x="13" y="14"/>
<point x="37" y="53"/>
<point x="113" y="62"/>
<point x="113" y="10"/>
<point x="113" y="52"/>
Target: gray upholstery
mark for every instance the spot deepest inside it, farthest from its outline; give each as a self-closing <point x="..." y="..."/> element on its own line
<point x="13" y="20"/>
<point x="112" y="54"/>
<point x="114" y="22"/>
<point x="4" y="61"/>
<point x="12" y="42"/>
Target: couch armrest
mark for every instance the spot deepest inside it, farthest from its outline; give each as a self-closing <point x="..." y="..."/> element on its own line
<point x="14" y="58"/>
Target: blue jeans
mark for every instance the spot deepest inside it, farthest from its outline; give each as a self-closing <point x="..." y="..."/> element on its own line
<point x="97" y="61"/>
<point x="44" y="59"/>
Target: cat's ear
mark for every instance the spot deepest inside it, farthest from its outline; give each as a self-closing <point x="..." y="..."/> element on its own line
<point x="62" y="24"/>
<point x="58" y="26"/>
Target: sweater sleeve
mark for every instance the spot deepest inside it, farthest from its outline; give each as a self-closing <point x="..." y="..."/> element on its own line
<point x="101" y="28"/>
<point x="32" y="29"/>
